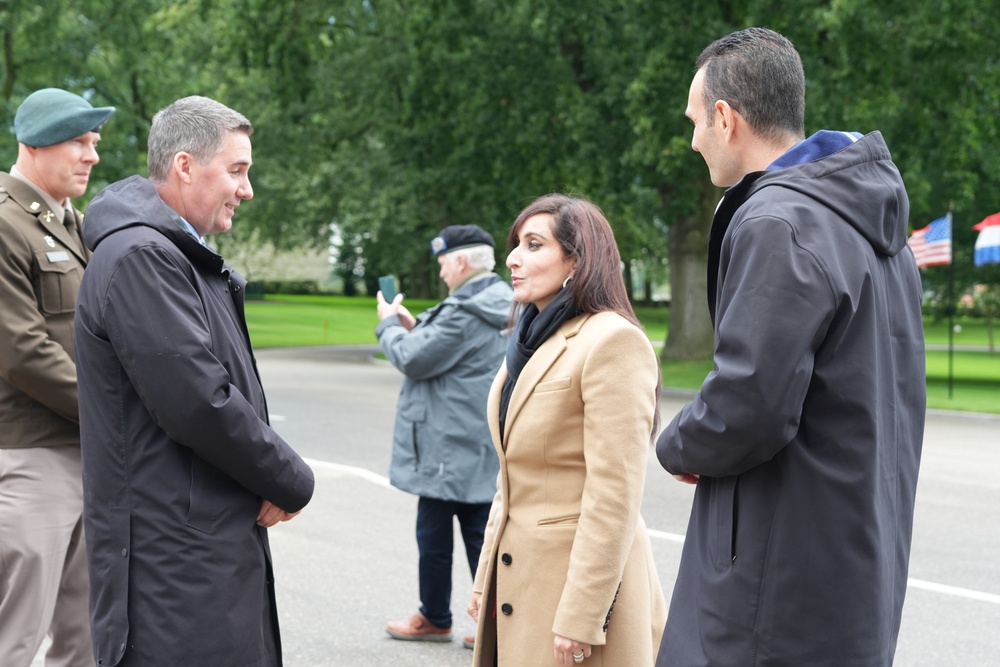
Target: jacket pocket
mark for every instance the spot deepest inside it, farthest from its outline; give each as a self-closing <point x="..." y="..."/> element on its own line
<point x="57" y="282"/>
<point x="724" y="510"/>
<point x="569" y="520"/>
<point x="553" y="385"/>
<point x="413" y="414"/>
<point x="209" y="497"/>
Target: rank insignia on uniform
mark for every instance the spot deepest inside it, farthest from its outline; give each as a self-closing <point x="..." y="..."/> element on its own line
<point x="50" y="242"/>
<point x="35" y="206"/>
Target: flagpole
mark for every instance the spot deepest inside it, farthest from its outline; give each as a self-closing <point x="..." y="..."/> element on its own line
<point x="951" y="312"/>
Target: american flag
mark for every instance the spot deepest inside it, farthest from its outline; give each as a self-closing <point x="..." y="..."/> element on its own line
<point x="931" y="245"/>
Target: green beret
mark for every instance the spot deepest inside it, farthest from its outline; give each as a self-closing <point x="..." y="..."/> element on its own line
<point x="51" y="116"/>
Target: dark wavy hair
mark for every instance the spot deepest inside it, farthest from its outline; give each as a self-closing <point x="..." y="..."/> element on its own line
<point x="584" y="234"/>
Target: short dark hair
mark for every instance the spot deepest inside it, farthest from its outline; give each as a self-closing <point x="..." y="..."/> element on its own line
<point x="759" y="73"/>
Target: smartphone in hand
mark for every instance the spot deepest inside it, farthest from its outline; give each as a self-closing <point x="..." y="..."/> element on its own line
<point x="387" y="285"/>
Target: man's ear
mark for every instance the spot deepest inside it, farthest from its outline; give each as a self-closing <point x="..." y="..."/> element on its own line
<point x="727" y="117"/>
<point x="182" y="165"/>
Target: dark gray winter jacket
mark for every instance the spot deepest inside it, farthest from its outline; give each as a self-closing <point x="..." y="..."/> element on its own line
<point x="177" y="450"/>
<point x="807" y="434"/>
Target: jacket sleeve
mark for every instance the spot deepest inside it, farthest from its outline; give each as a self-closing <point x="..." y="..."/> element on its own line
<point x="430" y="349"/>
<point x="29" y="359"/>
<point x="618" y="386"/>
<point x="155" y="320"/>
<point x="774" y="308"/>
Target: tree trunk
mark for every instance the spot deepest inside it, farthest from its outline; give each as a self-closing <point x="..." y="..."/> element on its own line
<point x="627" y="277"/>
<point x="689" y="335"/>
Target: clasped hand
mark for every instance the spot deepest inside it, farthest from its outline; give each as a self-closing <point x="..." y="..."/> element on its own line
<point x="270" y="514"/>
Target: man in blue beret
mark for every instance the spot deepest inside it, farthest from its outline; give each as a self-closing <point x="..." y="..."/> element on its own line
<point x="43" y="569"/>
<point x="442" y="448"/>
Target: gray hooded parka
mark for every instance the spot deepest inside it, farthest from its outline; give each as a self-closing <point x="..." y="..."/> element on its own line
<point x="442" y="446"/>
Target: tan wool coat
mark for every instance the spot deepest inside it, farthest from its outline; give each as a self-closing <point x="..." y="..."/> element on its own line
<point x="565" y="536"/>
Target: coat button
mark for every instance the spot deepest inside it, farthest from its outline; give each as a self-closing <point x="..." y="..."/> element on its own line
<point x="506" y="609"/>
<point x="124" y="552"/>
<point x="506" y="559"/>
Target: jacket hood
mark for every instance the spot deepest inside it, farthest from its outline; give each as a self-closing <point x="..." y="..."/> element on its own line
<point x="129" y="203"/>
<point x="859" y="183"/>
<point x="488" y="298"/>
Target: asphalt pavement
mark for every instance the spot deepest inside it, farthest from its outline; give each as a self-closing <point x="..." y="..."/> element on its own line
<point x="348" y="563"/>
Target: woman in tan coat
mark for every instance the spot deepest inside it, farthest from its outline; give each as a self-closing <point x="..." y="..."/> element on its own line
<point x="566" y="573"/>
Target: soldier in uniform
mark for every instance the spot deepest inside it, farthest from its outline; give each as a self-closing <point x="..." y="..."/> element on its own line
<point x="43" y="569"/>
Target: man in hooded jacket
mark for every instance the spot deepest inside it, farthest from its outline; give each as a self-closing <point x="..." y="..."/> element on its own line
<point x="182" y="474"/>
<point x="805" y="440"/>
<point x="442" y="448"/>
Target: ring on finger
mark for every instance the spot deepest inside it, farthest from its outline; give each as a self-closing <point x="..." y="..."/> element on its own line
<point x="578" y="657"/>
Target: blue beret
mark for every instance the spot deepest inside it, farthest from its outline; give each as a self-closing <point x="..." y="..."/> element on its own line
<point x="460" y="236"/>
<point x="51" y="116"/>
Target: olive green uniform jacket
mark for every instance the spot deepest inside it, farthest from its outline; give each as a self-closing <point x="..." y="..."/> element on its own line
<point x="40" y="272"/>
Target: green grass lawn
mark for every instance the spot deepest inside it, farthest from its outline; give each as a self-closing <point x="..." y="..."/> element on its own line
<point x="969" y="332"/>
<point x="975" y="381"/>
<point x="302" y="320"/>
<point x="305" y="320"/>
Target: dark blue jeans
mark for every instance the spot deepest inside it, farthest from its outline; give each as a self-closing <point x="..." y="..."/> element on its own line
<point x="436" y="543"/>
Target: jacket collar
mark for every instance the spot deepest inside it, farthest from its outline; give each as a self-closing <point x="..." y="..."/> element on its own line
<point x="51" y="221"/>
<point x="731" y="202"/>
<point x="533" y="371"/>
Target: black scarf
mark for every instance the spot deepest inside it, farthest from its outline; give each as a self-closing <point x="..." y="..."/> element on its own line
<point x="533" y="328"/>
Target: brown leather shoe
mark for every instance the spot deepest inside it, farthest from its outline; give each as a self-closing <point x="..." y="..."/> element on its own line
<point x="417" y="628"/>
<point x="469" y="642"/>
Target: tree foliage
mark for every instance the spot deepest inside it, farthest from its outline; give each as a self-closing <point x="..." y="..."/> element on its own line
<point x="390" y="119"/>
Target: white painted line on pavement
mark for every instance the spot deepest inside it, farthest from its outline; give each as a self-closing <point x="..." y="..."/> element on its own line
<point x="970" y="594"/>
<point x="368" y="475"/>
<point x="911" y="583"/>
<point x="953" y="590"/>
<point x="670" y="537"/>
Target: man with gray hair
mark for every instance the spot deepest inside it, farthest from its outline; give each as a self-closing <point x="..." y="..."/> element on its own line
<point x="182" y="473"/>
<point x="442" y="449"/>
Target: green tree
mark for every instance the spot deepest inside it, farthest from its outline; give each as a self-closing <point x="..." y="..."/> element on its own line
<point x="389" y="119"/>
